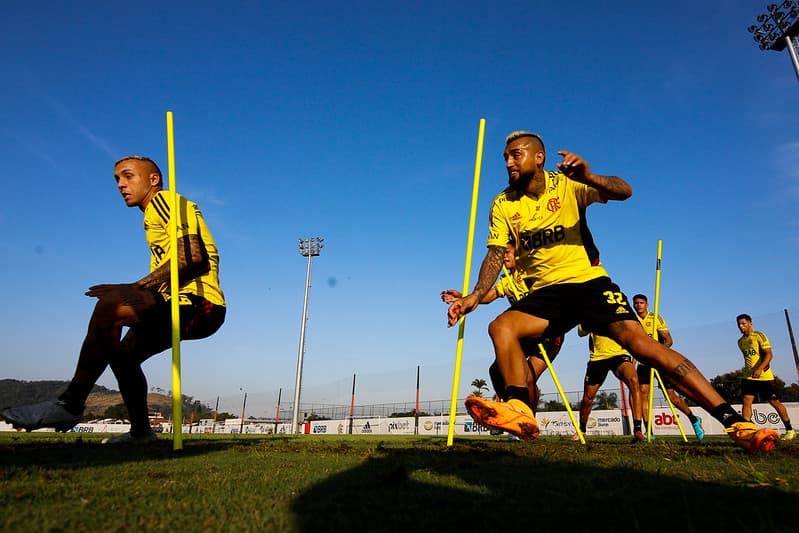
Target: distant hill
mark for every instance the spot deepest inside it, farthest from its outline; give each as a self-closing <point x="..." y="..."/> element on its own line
<point x="14" y="392"/>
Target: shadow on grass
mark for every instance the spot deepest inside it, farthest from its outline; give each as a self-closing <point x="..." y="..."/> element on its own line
<point x="475" y="486"/>
<point x="56" y="451"/>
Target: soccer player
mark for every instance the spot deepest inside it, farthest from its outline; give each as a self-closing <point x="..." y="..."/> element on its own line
<point x="143" y="306"/>
<point x="758" y="379"/>
<point x="663" y="336"/>
<point x="543" y="212"/>
<point x="607" y="356"/>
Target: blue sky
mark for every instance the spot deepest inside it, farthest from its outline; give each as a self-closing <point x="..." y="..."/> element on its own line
<point x="357" y="122"/>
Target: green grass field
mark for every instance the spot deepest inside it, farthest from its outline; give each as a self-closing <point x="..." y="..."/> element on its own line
<point x="70" y="482"/>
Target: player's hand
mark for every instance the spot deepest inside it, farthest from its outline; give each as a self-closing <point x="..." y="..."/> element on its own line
<point x="450" y="295"/>
<point x="131" y="294"/>
<point x="573" y="166"/>
<point x="460" y="308"/>
<point x="757" y="373"/>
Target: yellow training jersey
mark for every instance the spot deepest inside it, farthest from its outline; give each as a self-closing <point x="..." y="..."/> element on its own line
<point x="553" y="243"/>
<point x="649" y="320"/>
<point x="752" y="348"/>
<point x="190" y="222"/>
<point x="603" y="348"/>
<point x="512" y="287"/>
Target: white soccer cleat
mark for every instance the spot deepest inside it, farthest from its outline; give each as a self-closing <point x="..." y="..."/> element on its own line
<point x="48" y="414"/>
<point x="127" y="438"/>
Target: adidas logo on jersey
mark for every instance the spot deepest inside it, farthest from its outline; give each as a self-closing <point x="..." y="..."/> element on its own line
<point x="621" y="310"/>
<point x="516" y="216"/>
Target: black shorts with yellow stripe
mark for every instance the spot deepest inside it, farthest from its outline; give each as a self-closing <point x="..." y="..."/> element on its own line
<point x="595" y="304"/>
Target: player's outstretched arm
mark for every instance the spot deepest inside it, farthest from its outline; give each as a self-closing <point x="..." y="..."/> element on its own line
<point x="489" y="270"/>
<point x="450" y="295"/>
<point x="576" y="168"/>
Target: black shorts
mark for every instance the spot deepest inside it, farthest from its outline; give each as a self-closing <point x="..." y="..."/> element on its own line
<point x="594" y="304"/>
<point x="597" y="371"/>
<point x="643" y="376"/>
<point x="756" y="387"/>
<point x="551" y="346"/>
<point x="153" y="334"/>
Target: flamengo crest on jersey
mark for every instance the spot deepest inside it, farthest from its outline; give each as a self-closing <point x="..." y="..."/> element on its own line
<point x="190" y="222"/>
<point x="550" y="233"/>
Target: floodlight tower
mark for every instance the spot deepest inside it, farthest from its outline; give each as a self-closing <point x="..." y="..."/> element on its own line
<point x="778" y="29"/>
<point x="309" y="248"/>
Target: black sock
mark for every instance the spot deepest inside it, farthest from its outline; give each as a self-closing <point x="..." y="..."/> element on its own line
<point x="637" y="426"/>
<point x="519" y="393"/>
<point x="725" y="414"/>
<point x="692" y="418"/>
<point x="582" y="427"/>
<point x="787" y="425"/>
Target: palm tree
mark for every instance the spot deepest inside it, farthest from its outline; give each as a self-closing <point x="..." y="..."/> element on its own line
<point x="606" y="401"/>
<point x="479" y="385"/>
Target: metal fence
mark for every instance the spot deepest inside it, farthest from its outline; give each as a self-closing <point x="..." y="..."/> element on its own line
<point x="547" y="402"/>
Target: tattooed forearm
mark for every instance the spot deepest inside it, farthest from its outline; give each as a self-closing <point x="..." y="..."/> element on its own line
<point x="489" y="270"/>
<point x="192" y="261"/>
<point x="684" y="368"/>
<point x="613" y="187"/>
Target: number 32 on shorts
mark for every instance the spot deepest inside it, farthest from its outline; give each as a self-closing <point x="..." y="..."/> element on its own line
<point x="615" y="298"/>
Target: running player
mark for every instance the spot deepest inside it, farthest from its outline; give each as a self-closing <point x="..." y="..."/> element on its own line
<point x="543" y="212"/>
<point x="143" y="306"/>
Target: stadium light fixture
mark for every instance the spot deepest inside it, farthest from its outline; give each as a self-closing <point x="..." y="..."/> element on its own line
<point x="309" y="247"/>
<point x="778" y="29"/>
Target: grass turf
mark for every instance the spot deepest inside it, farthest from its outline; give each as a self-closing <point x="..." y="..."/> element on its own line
<point x="70" y="482"/>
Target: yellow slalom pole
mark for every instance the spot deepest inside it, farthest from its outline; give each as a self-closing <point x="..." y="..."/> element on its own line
<point x="174" y="290"/>
<point x="651" y="401"/>
<point x="469" y="244"/>
<point x="560" y="391"/>
<point x="653" y="372"/>
<point x="671" y="405"/>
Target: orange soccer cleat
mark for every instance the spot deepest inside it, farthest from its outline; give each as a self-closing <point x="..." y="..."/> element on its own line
<point x="751" y="438"/>
<point x="512" y="416"/>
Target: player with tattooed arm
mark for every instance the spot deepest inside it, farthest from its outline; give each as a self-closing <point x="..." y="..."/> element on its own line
<point x="544" y="212"/>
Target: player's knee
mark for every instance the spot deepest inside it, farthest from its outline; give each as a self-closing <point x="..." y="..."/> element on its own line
<point x="103" y="316"/>
<point x="500" y="329"/>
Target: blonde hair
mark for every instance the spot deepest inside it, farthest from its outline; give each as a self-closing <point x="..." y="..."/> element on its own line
<point x="521" y="133"/>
